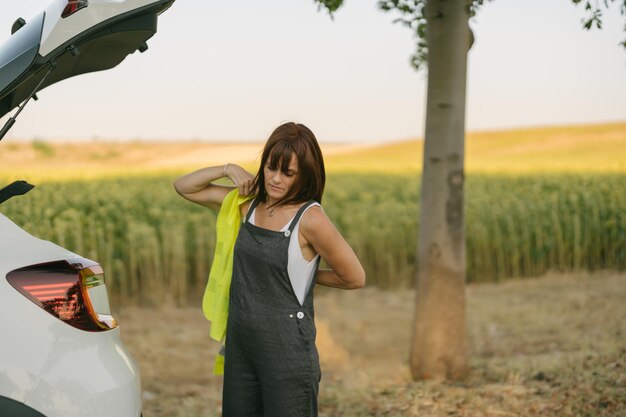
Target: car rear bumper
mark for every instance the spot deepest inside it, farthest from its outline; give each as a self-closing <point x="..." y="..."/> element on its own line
<point x="88" y="375"/>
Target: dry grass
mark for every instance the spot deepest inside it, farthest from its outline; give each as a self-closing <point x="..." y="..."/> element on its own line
<point x="592" y="148"/>
<point x="552" y="346"/>
<point x="45" y="161"/>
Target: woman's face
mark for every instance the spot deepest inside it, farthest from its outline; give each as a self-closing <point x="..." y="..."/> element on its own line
<point x="278" y="183"/>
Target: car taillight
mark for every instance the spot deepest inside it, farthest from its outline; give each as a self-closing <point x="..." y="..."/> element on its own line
<point x="73" y="292"/>
<point x="73" y="6"/>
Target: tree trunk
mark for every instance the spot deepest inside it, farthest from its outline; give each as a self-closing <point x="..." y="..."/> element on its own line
<point x="439" y="348"/>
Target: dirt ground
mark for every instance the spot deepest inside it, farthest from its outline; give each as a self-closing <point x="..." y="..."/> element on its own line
<point x="550" y="346"/>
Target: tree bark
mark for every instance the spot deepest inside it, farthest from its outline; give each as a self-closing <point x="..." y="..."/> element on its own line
<point x="439" y="347"/>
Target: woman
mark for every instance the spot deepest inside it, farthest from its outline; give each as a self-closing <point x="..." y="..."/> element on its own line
<point x="271" y="362"/>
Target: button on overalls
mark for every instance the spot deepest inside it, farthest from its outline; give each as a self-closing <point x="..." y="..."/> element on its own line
<point x="271" y="366"/>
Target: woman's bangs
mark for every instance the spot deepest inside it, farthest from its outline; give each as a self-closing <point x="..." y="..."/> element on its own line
<point x="280" y="155"/>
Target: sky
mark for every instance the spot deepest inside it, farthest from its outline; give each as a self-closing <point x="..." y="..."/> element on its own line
<point x="233" y="71"/>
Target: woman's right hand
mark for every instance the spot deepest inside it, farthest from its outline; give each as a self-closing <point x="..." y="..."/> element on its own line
<point x="198" y="187"/>
<point x="240" y="177"/>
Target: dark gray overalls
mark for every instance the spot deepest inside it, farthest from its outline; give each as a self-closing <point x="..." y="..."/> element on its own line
<point x="271" y="364"/>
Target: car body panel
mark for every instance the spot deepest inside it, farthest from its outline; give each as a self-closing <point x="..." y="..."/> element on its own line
<point x="26" y="328"/>
<point x="19" y="51"/>
<point x="19" y="248"/>
<point x="28" y="335"/>
<point x="109" y="377"/>
<point x="49" y="365"/>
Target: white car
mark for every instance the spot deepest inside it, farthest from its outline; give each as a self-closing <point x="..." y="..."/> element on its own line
<point x="61" y="353"/>
<point x="60" y="349"/>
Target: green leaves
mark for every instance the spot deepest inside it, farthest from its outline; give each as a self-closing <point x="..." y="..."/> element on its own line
<point x="474" y="5"/>
<point x="330" y="5"/>
<point x="594" y="17"/>
<point x="411" y="15"/>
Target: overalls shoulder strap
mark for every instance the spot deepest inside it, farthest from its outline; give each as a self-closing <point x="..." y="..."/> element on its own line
<point x="299" y="214"/>
<point x="253" y="205"/>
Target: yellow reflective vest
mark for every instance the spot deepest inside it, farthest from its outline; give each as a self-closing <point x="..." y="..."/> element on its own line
<point x="216" y="294"/>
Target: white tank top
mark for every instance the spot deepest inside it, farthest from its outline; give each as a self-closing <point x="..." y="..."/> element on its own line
<point x="300" y="270"/>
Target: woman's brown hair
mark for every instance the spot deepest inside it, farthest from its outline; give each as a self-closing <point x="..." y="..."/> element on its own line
<point x="293" y="139"/>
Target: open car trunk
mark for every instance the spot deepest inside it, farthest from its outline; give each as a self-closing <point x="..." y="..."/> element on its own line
<point x="103" y="46"/>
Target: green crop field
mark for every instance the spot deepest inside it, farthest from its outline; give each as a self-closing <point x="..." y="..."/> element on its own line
<point x="536" y="200"/>
<point x="155" y="246"/>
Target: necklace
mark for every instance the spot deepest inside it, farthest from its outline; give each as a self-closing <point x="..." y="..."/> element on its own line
<point x="271" y="212"/>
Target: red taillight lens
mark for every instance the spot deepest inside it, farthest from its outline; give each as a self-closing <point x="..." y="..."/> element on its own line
<point x="73" y="6"/>
<point x="65" y="290"/>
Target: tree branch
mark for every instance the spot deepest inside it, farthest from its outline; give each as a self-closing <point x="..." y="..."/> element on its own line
<point x="594" y="17"/>
<point x="412" y="16"/>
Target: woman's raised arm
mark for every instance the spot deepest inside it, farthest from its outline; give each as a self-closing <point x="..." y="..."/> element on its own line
<point x="198" y="186"/>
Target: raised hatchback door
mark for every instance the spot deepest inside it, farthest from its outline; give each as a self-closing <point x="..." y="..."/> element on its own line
<point x="99" y="44"/>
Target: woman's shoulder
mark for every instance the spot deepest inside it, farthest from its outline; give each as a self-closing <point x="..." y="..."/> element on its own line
<point x="313" y="217"/>
<point x="309" y="205"/>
